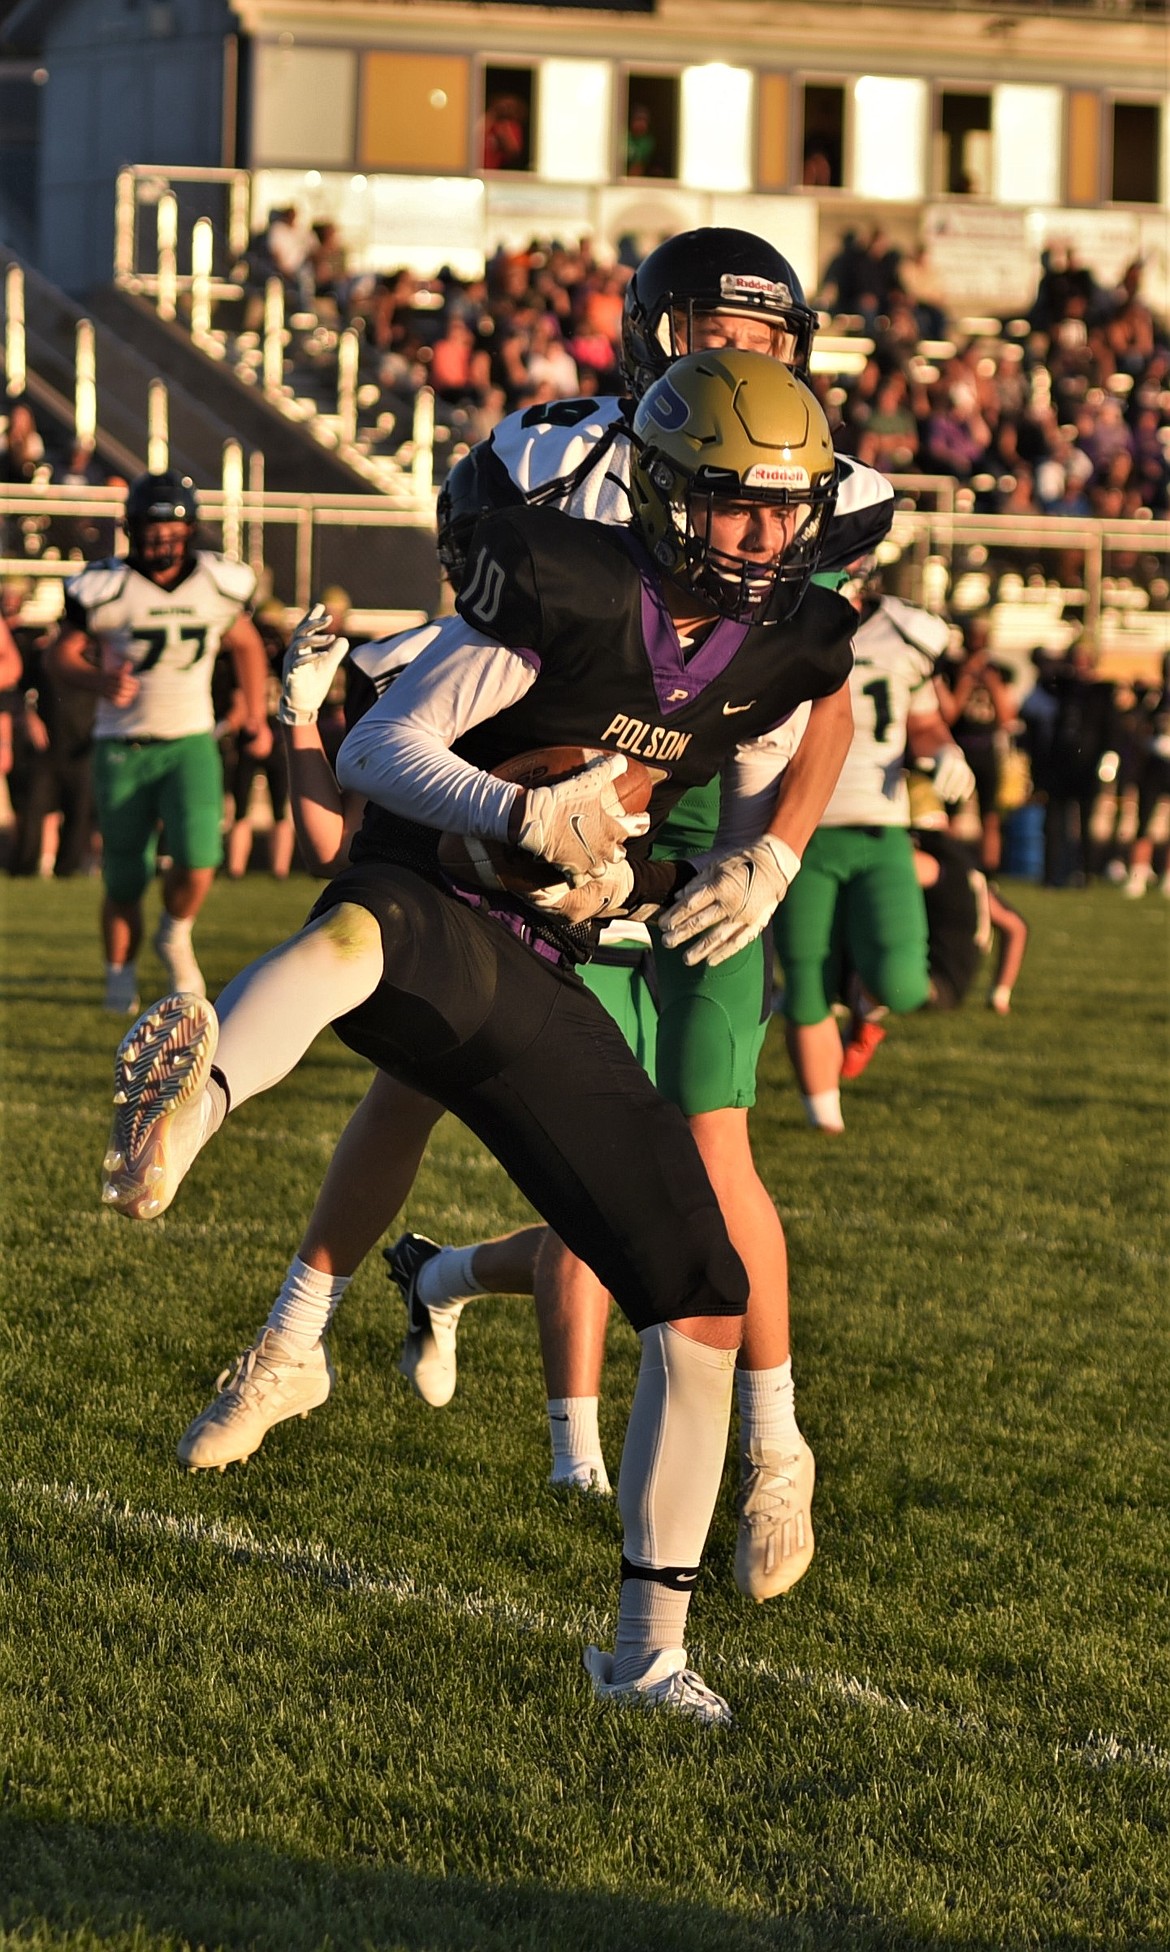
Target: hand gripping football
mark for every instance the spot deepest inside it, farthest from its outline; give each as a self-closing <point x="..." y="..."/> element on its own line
<point x="476" y="863"/>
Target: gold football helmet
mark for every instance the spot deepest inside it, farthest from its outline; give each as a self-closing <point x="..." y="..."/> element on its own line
<point x="725" y="429"/>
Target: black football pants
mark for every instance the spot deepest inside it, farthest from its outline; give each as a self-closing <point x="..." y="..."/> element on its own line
<point x="521" y="1053"/>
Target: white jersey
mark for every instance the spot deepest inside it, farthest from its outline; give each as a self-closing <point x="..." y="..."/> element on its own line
<point x="575" y="455"/>
<point x="895" y="653"/>
<point x="167" y="638"/>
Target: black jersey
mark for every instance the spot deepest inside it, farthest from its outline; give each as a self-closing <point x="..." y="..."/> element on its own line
<point x="583" y="605"/>
<point x="952" y="918"/>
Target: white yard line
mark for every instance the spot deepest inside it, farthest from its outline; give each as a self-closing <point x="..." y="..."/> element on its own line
<point x="323" y="1566"/>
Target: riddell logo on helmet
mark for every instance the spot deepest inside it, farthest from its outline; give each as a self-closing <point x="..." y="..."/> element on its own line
<point x="769" y="474"/>
<point x="743" y="285"/>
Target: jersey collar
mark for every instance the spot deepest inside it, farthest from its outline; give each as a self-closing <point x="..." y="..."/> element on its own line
<point x="678" y="681"/>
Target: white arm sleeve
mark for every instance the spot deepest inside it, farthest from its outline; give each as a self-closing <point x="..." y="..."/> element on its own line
<point x="398" y="754"/>
<point x="751" y="777"/>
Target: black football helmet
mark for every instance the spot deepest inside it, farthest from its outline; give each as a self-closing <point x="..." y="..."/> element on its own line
<point x="475" y="486"/>
<point x="155" y="498"/>
<point x="708" y="270"/>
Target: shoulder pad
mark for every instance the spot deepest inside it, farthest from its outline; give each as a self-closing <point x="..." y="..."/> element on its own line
<point x="920" y="629"/>
<point x="501" y="594"/>
<point x="382" y="658"/>
<point x="233" y="580"/>
<point x="533" y="572"/>
<point x="544" y="443"/>
<point x="98" y="583"/>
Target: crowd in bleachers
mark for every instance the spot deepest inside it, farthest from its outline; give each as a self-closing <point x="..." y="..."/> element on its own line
<point x="1065" y="411"/>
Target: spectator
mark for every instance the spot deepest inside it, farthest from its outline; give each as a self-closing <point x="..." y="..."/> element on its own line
<point x="890" y="439"/>
<point x="552" y="370"/>
<point x="1153" y="784"/>
<point x="241" y="780"/>
<point x="505" y="133"/>
<point x="10" y="698"/>
<point x="289" y="244"/>
<point x="460" y="369"/>
<point x="327" y="263"/>
<point x="53" y="760"/>
<point x="22" y="451"/>
<point x="1082" y="732"/>
<point x="641" y="144"/>
<point x="957" y="435"/>
<point x="977" y="702"/>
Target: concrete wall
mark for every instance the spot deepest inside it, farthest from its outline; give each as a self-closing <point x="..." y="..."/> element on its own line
<point x="129" y="81"/>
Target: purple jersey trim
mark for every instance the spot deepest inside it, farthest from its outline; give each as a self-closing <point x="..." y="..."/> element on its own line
<point x="508" y="919"/>
<point x="677" y="680"/>
<point x="530" y="657"/>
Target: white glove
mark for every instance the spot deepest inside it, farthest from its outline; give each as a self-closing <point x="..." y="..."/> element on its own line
<point x="953" y="779"/>
<point x="310" y="666"/>
<point x="594" y="900"/>
<point x="579" y="824"/>
<point x="730" y="900"/>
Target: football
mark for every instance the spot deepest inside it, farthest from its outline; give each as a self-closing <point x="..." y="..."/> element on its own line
<point x="476" y="863"/>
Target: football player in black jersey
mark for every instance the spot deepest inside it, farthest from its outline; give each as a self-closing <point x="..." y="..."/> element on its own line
<point x="649" y="641"/>
<point x="715" y="287"/>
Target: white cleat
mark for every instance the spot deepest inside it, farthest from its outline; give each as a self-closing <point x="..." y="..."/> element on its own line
<point x="668" y="1683"/>
<point x="774" y="1546"/>
<point x="589" y="1476"/>
<point x="264" y="1387"/>
<point x="160" y="1071"/>
<point x="178" y="959"/>
<point x="121" y="997"/>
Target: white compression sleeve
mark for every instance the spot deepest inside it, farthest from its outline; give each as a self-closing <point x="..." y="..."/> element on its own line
<point x="675" y="1445"/>
<point x="398" y="754"/>
<point x="270" y="1013"/>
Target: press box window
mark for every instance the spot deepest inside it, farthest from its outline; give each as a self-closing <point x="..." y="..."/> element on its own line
<point x="962" y="155"/>
<point x="505" y="138"/>
<point x="822" y="144"/>
<point x="1137" y="143"/>
<point x="651" y="126"/>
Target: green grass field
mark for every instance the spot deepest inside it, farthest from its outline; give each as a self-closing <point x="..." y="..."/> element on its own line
<point x="334" y="1698"/>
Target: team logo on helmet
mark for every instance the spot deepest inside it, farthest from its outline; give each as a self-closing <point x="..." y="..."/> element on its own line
<point x="668" y="407"/>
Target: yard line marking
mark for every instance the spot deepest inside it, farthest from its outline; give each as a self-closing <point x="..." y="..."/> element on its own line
<point x="323" y="1566"/>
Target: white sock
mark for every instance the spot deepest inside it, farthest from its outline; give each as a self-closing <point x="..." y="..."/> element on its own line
<point x="447" y="1277"/>
<point x="173" y="929"/>
<point x="823" y="1109"/>
<point x="767" y="1406"/>
<point x="305" y="1305"/>
<point x="576" y="1440"/>
<point x="116" y="968"/>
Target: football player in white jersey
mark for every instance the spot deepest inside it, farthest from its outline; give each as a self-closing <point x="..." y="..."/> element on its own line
<point x="858" y="905"/>
<point x="143" y="633"/>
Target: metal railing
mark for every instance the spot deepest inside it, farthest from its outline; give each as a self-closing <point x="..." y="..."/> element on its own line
<point x="248" y="525"/>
